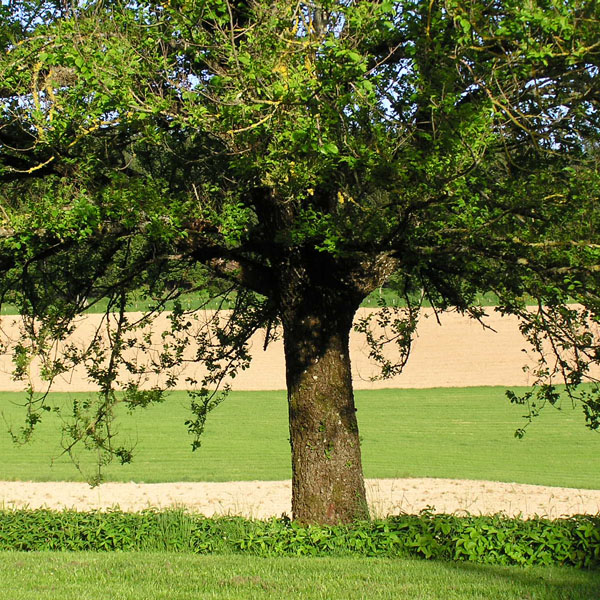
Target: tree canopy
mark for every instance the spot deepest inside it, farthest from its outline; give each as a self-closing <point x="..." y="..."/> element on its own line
<point x="298" y="156"/>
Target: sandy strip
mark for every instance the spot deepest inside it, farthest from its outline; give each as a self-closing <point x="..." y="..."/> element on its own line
<point x="264" y="499"/>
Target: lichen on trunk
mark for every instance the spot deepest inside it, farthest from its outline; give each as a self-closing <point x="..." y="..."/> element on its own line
<point x="327" y="476"/>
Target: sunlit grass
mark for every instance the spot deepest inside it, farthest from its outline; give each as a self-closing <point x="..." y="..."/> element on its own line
<point x="194" y="300"/>
<point x="444" y="432"/>
<point x="144" y="576"/>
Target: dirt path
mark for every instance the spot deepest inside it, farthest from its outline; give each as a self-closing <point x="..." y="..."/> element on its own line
<point x="263" y="499"/>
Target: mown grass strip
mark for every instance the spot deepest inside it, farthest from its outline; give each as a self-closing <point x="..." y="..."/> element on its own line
<point x="168" y="576"/>
<point x="445" y="432"/>
<point x="194" y="300"/>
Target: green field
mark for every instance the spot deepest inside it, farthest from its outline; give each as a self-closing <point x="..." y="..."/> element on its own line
<point x="158" y="576"/>
<point x="406" y="433"/>
<point x="193" y="300"/>
<point x="456" y="433"/>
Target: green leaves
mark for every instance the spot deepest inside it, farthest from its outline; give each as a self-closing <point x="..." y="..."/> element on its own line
<point x="329" y="149"/>
<point x="495" y="540"/>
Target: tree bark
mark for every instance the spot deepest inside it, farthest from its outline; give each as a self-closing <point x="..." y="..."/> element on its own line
<point x="327" y="477"/>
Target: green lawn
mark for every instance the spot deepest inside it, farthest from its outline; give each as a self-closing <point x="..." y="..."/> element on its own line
<point x="439" y="432"/>
<point x="145" y="576"/>
<point x="192" y="300"/>
<point x="457" y="433"/>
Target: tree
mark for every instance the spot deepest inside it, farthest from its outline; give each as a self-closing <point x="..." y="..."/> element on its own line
<point x="300" y="156"/>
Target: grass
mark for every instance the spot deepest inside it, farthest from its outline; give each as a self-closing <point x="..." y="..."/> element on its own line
<point x="437" y="432"/>
<point x="139" y="303"/>
<point x="445" y="432"/>
<point x="149" y="576"/>
<point x="391" y="298"/>
<point x="193" y="300"/>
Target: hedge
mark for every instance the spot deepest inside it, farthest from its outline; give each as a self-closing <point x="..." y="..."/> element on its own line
<point x="495" y="539"/>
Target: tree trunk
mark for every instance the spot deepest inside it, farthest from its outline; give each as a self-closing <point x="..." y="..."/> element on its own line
<point x="327" y="477"/>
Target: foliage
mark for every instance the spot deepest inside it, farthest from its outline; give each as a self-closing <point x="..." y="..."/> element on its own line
<point x="487" y="540"/>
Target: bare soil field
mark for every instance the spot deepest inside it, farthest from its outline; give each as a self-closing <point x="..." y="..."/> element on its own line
<point x="458" y="353"/>
<point x="264" y="499"/>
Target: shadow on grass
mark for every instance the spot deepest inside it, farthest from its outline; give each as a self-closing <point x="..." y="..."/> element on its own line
<point x="544" y="582"/>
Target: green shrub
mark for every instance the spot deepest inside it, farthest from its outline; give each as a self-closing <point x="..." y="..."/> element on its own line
<point x="491" y="540"/>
